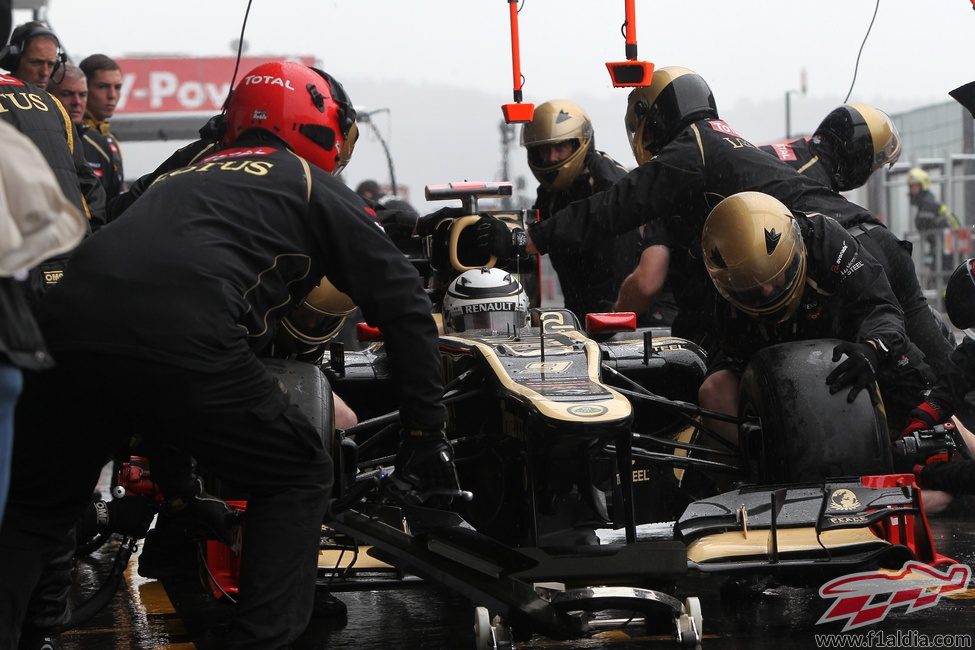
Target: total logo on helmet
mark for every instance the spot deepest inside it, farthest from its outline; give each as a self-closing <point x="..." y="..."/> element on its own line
<point x="268" y="79"/>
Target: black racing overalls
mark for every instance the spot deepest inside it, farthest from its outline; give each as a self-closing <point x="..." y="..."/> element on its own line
<point x="154" y="330"/>
<point x="893" y="254"/>
<point x="104" y="156"/>
<point x="40" y="117"/>
<point x="590" y="278"/>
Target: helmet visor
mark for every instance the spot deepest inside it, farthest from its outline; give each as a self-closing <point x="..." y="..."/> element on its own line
<point x="551" y="155"/>
<point x="764" y="295"/>
<point x="633" y="123"/>
<point x="890" y="152"/>
<point x="309" y="326"/>
<point x="499" y="321"/>
<point x="345" y="153"/>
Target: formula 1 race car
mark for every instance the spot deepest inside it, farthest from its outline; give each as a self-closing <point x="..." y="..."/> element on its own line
<point x="564" y="435"/>
<point x="560" y="432"/>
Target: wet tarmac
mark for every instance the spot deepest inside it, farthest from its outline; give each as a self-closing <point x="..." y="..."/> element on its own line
<point x="180" y="614"/>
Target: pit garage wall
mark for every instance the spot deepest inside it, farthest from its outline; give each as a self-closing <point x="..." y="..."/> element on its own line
<point x="941" y="139"/>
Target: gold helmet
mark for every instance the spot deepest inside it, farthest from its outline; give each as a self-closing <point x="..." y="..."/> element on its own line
<point x="315" y="321"/>
<point x="863" y="140"/>
<point x="655" y="114"/>
<point x="555" y="122"/>
<point x="754" y="253"/>
<point x="918" y="176"/>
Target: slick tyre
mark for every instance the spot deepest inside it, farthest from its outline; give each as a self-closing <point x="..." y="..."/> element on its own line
<point x="308" y="389"/>
<point x="794" y="431"/>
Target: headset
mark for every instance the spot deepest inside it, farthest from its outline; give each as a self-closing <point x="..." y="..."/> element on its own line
<point x="10" y="55"/>
<point x="347" y="114"/>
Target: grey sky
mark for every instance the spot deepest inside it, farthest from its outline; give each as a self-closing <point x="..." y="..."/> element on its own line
<point x="443" y="66"/>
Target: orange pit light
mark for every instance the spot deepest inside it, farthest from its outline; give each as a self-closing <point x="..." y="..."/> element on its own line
<point x="518" y="113"/>
<point x="630" y="74"/>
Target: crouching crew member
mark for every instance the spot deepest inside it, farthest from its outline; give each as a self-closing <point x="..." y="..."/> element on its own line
<point x="157" y="325"/>
<point x="789" y="276"/>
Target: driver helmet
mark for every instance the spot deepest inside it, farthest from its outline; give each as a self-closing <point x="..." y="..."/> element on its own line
<point x="556" y="122"/>
<point x="305" y="107"/>
<point x="754" y="253"/>
<point x="864" y="139"/>
<point x="485" y="299"/>
<point x="960" y="296"/>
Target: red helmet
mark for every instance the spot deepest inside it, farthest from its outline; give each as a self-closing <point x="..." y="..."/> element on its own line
<point x="303" y="106"/>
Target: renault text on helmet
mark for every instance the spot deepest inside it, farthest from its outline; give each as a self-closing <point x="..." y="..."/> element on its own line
<point x="863" y="139"/>
<point x="305" y="107"/>
<point x="655" y="114"/>
<point x="754" y="253"/>
<point x="485" y="299"/>
<point x="558" y="122"/>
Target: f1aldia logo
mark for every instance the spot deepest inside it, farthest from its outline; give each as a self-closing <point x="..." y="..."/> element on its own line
<point x="866" y="598"/>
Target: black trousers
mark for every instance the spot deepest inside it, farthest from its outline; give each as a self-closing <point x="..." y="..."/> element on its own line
<point x="921" y="326"/>
<point x="239" y="426"/>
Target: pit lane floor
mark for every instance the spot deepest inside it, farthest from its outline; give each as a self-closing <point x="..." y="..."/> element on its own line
<point x="178" y="615"/>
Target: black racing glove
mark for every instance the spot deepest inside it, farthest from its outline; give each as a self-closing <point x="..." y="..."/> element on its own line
<point x="494" y="237"/>
<point x="955" y="477"/>
<point x="204" y="514"/>
<point x="428" y="223"/>
<point x="925" y="415"/>
<point x="425" y="466"/>
<point x="129" y="516"/>
<point x="398" y="224"/>
<point x="858" y="371"/>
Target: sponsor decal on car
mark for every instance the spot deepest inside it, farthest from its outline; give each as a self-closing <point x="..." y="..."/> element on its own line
<point x="587" y="410"/>
<point x="859" y="519"/>
<point x="843" y="499"/>
<point x="535" y="367"/>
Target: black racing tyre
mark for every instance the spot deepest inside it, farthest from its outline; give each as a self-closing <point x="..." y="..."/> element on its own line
<point x="309" y="390"/>
<point x="795" y="431"/>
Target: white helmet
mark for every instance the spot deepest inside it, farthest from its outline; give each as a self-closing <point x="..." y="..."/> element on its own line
<point x="485" y="299"/>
